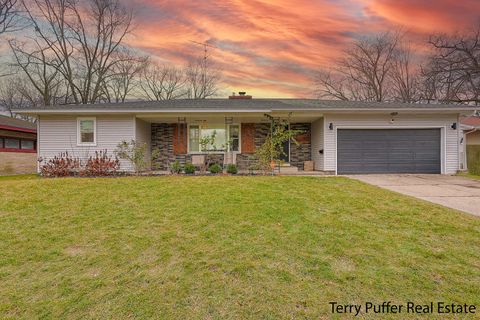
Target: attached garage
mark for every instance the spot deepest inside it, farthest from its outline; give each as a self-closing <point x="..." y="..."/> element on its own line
<point x="388" y="151"/>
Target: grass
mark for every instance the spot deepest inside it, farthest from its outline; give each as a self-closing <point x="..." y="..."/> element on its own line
<point x="469" y="175"/>
<point x="225" y="248"/>
<point x="473" y="159"/>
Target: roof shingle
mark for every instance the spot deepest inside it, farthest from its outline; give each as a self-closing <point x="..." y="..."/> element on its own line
<point x="249" y="105"/>
<point x="17" y="123"/>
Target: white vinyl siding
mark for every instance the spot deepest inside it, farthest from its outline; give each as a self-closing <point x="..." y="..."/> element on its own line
<point x="143" y="134"/>
<point x="450" y="137"/>
<point x="317" y="143"/>
<point x="58" y="133"/>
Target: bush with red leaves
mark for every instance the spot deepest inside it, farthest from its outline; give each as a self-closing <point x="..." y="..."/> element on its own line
<point x="65" y="165"/>
<point x="62" y="165"/>
<point x="100" y="165"/>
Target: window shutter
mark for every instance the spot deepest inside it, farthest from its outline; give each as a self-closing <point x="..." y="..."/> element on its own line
<point x="180" y="138"/>
<point x="248" y="138"/>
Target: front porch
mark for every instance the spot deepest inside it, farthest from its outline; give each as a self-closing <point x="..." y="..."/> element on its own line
<point x="177" y="139"/>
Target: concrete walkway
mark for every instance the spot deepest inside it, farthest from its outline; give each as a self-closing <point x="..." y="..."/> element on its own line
<point x="450" y="191"/>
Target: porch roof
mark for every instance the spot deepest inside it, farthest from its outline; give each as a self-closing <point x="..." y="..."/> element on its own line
<point x="243" y="105"/>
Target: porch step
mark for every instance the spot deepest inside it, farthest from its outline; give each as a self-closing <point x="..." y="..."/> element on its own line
<point x="288" y="169"/>
<point x="308" y="173"/>
<point x="285" y="165"/>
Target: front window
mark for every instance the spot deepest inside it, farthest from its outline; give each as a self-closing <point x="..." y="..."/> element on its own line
<point x="214" y="137"/>
<point x="28" y="145"/>
<point x="194" y="136"/>
<point x="11" y="143"/>
<point x="86" y="131"/>
<point x="234" y="137"/>
<point x="16" y="144"/>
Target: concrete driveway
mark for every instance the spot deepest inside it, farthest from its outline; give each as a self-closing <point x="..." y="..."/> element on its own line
<point x="450" y="191"/>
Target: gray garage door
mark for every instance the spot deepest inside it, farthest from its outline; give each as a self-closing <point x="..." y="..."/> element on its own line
<point x="388" y="151"/>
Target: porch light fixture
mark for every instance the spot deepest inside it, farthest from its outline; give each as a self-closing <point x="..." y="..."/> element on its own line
<point x="330" y="126"/>
<point x="392" y="119"/>
<point x="454" y="126"/>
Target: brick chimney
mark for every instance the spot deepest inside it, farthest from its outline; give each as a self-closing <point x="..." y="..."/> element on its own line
<point x="241" y="95"/>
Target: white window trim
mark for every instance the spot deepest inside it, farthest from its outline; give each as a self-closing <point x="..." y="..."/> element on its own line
<point x="90" y="144"/>
<point x="215" y="152"/>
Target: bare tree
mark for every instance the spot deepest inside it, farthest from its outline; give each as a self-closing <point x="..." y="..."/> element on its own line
<point x="404" y="75"/>
<point x="334" y="85"/>
<point x="123" y="78"/>
<point x="203" y="79"/>
<point x="163" y="82"/>
<point x="15" y="92"/>
<point x="82" y="38"/>
<point x="9" y="96"/>
<point x="363" y="73"/>
<point x="37" y="67"/>
<point x="8" y="16"/>
<point x="455" y="67"/>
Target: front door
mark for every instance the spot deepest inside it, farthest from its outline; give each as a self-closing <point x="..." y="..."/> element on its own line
<point x="286" y="152"/>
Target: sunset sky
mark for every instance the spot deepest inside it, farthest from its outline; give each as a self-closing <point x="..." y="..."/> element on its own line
<point x="272" y="48"/>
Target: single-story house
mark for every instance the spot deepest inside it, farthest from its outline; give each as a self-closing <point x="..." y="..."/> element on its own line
<point x="340" y="137"/>
<point x="18" y="146"/>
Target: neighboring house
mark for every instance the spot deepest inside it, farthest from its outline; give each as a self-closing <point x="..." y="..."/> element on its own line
<point x="341" y="137"/>
<point x="18" y="144"/>
<point x="471" y="128"/>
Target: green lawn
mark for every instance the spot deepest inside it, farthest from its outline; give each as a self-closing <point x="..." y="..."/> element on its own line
<point x="225" y="248"/>
<point x="469" y="175"/>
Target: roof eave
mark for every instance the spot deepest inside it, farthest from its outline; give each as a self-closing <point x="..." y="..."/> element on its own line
<point x="196" y="110"/>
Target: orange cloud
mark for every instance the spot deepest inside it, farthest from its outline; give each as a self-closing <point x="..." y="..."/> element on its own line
<point x="428" y="16"/>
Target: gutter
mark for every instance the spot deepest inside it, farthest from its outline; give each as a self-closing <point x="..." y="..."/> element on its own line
<point x="129" y="111"/>
<point x="471" y="131"/>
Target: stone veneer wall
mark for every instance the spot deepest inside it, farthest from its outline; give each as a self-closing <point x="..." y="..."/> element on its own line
<point x="162" y="138"/>
<point x="303" y="151"/>
<point x="246" y="160"/>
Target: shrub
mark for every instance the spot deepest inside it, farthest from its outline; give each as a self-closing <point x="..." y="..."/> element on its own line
<point x="155" y="162"/>
<point x="175" y="167"/>
<point x="134" y="152"/>
<point x="215" y="168"/>
<point x="189" y="168"/>
<point x="232" y="169"/>
<point x="62" y="165"/>
<point x="101" y="165"/>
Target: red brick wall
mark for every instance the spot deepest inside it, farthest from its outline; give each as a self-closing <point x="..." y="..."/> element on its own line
<point x="248" y="138"/>
<point x="179" y="138"/>
<point x="17" y="163"/>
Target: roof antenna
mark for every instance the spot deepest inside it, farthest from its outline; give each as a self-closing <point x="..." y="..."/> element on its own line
<point x="205" y="45"/>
